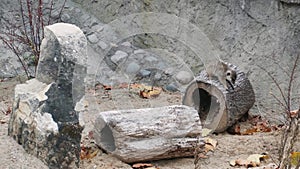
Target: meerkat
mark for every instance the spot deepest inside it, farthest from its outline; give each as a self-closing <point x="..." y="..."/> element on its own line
<point x="222" y="72"/>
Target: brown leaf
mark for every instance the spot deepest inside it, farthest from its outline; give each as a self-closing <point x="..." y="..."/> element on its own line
<point x="150" y="92"/>
<point x="294" y="113"/>
<point x="141" y="165"/>
<point x="208" y="147"/>
<point x="91" y="135"/>
<point x="107" y="87"/>
<point x="295" y="158"/>
<point x="136" y="86"/>
<point x="252" y="161"/>
<point x="87" y="153"/>
<point x="249" y="131"/>
<point x="212" y="142"/>
<point x="8" y="111"/>
<point x="123" y="86"/>
<point x="263" y="127"/>
<point x="201" y="155"/>
<point x="236" y="129"/>
<point x="242" y="162"/>
<point x="3" y="121"/>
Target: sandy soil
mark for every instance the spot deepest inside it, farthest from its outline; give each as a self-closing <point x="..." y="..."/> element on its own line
<point x="229" y="146"/>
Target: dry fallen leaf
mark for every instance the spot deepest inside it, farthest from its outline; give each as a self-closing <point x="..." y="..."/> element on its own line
<point x="3" y="121"/>
<point x="201" y="155"/>
<point x="262" y="126"/>
<point x="255" y="159"/>
<point x="252" y="161"/>
<point x="106" y="87"/>
<point x="141" y="165"/>
<point x="295" y="158"/>
<point x="123" y="86"/>
<point x="242" y="162"/>
<point x="211" y="142"/>
<point x="232" y="163"/>
<point x="205" y="132"/>
<point x="208" y="148"/>
<point x="236" y="129"/>
<point x="87" y="153"/>
<point x="150" y="92"/>
<point x="136" y="86"/>
<point x="294" y="113"/>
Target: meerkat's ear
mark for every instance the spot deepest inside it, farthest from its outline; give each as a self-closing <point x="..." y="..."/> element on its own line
<point x="223" y="65"/>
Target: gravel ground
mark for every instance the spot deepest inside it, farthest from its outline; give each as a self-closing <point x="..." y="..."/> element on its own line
<point x="229" y="146"/>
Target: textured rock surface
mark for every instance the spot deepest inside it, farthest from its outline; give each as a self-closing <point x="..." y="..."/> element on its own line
<point x="44" y="119"/>
<point x="245" y="33"/>
<point x="148" y="134"/>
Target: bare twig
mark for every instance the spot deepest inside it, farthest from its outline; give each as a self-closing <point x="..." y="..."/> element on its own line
<point x="277" y="85"/>
<point x="25" y="34"/>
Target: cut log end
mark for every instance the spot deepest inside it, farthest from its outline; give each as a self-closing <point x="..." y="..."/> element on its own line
<point x="217" y="107"/>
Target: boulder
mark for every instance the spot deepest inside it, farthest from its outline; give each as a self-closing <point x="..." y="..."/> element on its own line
<point x="44" y="120"/>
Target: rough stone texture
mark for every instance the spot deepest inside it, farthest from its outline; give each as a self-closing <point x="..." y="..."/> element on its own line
<point x="184" y="77"/>
<point x="44" y="119"/>
<point x="243" y="32"/>
<point x="10" y="11"/>
<point x="148" y="134"/>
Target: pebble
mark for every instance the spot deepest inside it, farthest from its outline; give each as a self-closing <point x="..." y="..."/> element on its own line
<point x="118" y="56"/>
<point x="98" y="28"/>
<point x="93" y="38"/>
<point x="139" y="51"/>
<point x="171" y="88"/>
<point x="184" y="77"/>
<point x="132" y="68"/>
<point x="102" y="45"/>
<point x="145" y="73"/>
<point x="151" y="59"/>
<point x="169" y="71"/>
<point x="127" y="44"/>
<point x="65" y="17"/>
<point x="157" y="76"/>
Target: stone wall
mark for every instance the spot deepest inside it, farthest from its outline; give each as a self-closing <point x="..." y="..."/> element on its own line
<point x="183" y="35"/>
<point x="246" y="33"/>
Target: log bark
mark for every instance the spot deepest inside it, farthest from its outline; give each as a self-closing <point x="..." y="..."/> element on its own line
<point x="291" y="1"/>
<point x="148" y="134"/>
<point x="219" y="108"/>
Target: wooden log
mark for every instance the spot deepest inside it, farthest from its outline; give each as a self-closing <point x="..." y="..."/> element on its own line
<point x="138" y="135"/>
<point x="219" y="108"/>
<point x="291" y="1"/>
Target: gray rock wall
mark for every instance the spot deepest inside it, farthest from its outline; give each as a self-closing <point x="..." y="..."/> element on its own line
<point x="246" y="33"/>
<point x="184" y="35"/>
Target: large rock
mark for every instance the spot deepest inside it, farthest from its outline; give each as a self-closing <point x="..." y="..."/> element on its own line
<point x="44" y="119"/>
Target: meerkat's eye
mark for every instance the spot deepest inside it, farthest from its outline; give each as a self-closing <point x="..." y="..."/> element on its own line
<point x="228" y="73"/>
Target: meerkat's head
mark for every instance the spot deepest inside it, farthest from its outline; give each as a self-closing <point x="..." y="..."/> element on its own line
<point x="231" y="76"/>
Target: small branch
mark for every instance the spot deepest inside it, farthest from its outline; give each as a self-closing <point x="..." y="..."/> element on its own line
<point x="50" y="12"/>
<point x="277" y="85"/>
<point x="291" y="83"/>
<point x="61" y="9"/>
<point x="15" y="50"/>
